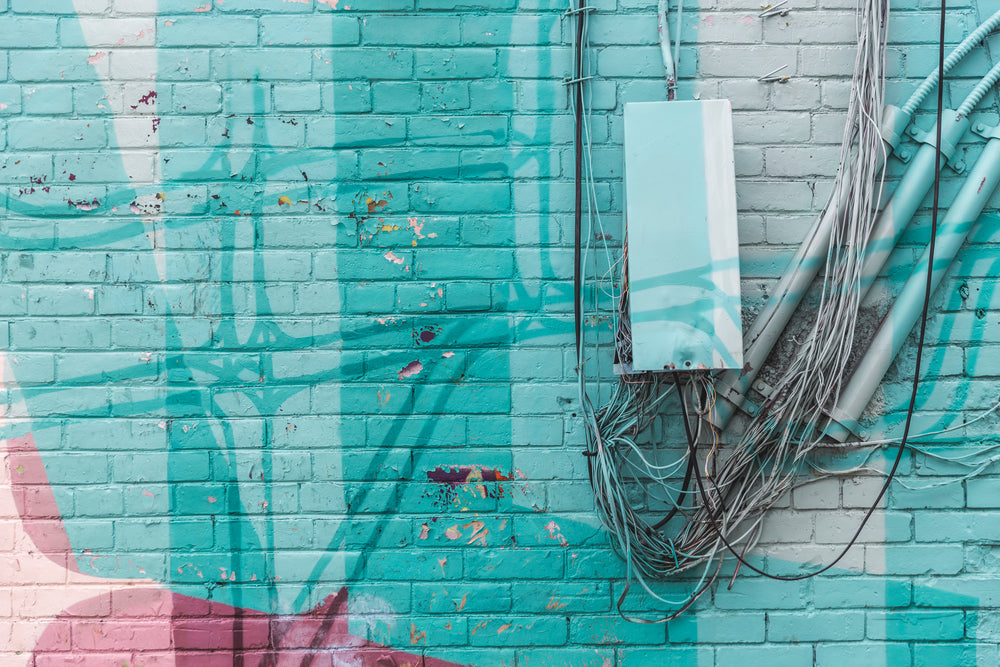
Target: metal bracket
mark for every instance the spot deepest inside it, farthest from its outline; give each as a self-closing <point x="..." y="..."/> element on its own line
<point x="894" y="124"/>
<point x="986" y="132"/>
<point x="764" y="389"/>
<point x="949" y="140"/>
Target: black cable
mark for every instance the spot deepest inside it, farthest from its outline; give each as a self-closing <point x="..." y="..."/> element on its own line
<point x="713" y="519"/>
<point x="578" y="216"/>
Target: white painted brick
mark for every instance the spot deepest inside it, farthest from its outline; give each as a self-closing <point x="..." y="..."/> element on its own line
<point x="796" y="94"/>
<point x="820" y="494"/>
<point x="811" y="28"/>
<point x="802" y="160"/>
<point x="770" y="127"/>
<point x="749" y="61"/>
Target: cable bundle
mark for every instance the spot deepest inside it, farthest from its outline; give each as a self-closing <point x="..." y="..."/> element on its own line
<point x="765" y="461"/>
<point x="764" y="465"/>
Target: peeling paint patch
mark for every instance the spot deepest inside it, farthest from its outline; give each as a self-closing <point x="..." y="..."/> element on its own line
<point x="84" y="205"/>
<point x="426" y="334"/>
<point x="479" y="532"/>
<point x="375" y="205"/>
<point x="146" y="100"/>
<point x="554" y="533"/>
<point x="97" y="57"/>
<point x="392" y="257"/>
<point x="410" y="369"/>
<point x="457" y="475"/>
<point x="148" y="204"/>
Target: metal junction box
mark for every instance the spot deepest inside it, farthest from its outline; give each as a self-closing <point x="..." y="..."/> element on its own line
<point x="683" y="252"/>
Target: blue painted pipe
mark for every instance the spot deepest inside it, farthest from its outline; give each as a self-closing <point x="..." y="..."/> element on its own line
<point x="899" y="322"/>
<point x="767" y="328"/>
<point x="913" y="187"/>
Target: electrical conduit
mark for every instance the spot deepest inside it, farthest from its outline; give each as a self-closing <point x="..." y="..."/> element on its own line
<point x="811" y="255"/>
<point x="898" y="323"/>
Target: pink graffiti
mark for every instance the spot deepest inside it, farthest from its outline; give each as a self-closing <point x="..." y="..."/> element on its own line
<point x="154" y="626"/>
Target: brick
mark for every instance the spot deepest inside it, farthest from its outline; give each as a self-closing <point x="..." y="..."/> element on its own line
<point x="816" y="626"/>
<point x="529" y="30"/>
<point x="847" y="592"/>
<point x="45" y="65"/>
<point x="375" y="63"/>
<point x="461" y="197"/>
<point x="427" y="30"/>
<point x="737" y="628"/>
<point x="862" y="653"/>
<point x="219" y="31"/>
<point x="594" y="629"/>
<point x="301" y="30"/>
<point x="62" y="134"/>
<point x="466" y="63"/>
<point x="271" y="63"/>
<point x="675" y="656"/>
<point x="914" y="624"/>
<point x="29" y="33"/>
<point x="964" y="653"/>
<point x="345" y="132"/>
<point x="785" y="656"/>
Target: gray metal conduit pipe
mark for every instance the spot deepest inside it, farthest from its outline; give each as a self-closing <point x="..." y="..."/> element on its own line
<point x="905" y="311"/>
<point x="811" y="255"/>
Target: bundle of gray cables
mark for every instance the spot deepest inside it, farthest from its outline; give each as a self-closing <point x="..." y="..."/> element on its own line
<point x="764" y="465"/>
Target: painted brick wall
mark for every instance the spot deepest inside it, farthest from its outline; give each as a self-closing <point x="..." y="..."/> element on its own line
<point x="286" y="290"/>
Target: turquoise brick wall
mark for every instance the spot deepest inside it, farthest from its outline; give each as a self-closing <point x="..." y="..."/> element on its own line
<point x="286" y="290"/>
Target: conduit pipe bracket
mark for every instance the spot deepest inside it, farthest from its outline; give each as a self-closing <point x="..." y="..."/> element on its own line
<point x="953" y="128"/>
<point x="986" y="131"/>
<point x="894" y="123"/>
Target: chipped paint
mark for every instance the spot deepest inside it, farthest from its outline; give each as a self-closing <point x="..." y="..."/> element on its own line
<point x="554" y="533"/>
